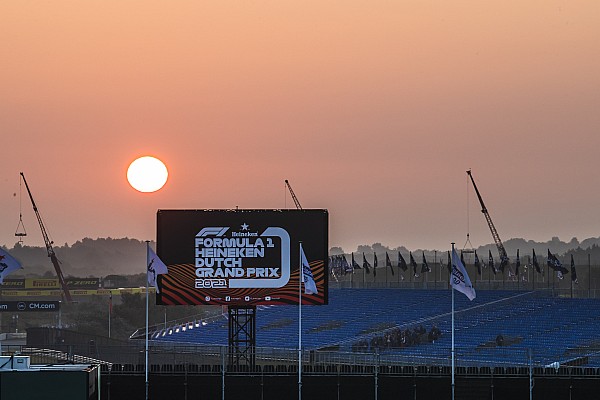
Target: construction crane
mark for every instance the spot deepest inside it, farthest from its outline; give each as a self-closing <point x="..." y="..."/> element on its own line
<point x="504" y="261"/>
<point x="296" y="202"/>
<point x="48" y="242"/>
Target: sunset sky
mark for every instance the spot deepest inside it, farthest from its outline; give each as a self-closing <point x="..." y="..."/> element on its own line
<point x="372" y="109"/>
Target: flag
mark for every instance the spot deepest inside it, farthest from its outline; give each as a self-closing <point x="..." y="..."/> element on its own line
<point x="536" y="264"/>
<point x="424" y="265"/>
<point x="307" y="277"/>
<point x="374" y="264"/>
<point x="414" y="264"/>
<point x="110" y="302"/>
<point x="155" y="267"/>
<point x="340" y="264"/>
<point x="477" y="263"/>
<point x="556" y="265"/>
<point x="402" y="262"/>
<point x="449" y="264"/>
<point x="517" y="263"/>
<point x="388" y="262"/>
<point x="7" y="264"/>
<point x="503" y="263"/>
<point x="573" y="272"/>
<point x="366" y="264"/>
<point x="460" y="279"/>
<point x="345" y="266"/>
<point x="491" y="263"/>
<point x="337" y="264"/>
<point x="354" y="264"/>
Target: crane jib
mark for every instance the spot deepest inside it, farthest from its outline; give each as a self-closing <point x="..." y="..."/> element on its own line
<point x="504" y="260"/>
<point x="48" y="244"/>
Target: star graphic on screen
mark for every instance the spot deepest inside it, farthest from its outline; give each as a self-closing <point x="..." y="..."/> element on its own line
<point x="244" y="226"/>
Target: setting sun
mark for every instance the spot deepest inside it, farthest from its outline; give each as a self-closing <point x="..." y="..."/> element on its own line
<point x="147" y="174"/>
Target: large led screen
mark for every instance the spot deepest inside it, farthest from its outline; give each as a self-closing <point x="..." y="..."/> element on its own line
<point x="241" y="257"/>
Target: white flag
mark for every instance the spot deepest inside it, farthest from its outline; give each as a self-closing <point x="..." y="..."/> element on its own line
<point x="155" y="267"/>
<point x="306" y="275"/>
<point x="7" y="264"/>
<point x="460" y="279"/>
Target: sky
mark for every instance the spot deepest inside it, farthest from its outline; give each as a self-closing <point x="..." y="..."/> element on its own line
<point x="373" y="110"/>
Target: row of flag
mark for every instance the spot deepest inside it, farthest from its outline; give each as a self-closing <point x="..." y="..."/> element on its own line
<point x="338" y="264"/>
<point x="155" y="266"/>
<point x="460" y="279"/>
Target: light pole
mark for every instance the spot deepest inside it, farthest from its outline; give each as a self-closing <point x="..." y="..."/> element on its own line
<point x="147" y="175"/>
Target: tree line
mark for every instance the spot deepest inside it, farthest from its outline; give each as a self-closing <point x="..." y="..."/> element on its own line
<point x="106" y="256"/>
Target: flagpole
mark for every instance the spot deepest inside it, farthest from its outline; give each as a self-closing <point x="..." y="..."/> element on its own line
<point x="146" y="350"/>
<point x="399" y="273"/>
<point x="434" y="264"/>
<point x="571" y="287"/>
<point x="300" y="279"/>
<point x="589" y="276"/>
<point x="490" y="275"/>
<point x="452" y="289"/>
<point x="109" y="311"/>
<point x="352" y="276"/>
<point x="386" y="272"/>
<point x="572" y="267"/>
<point x="553" y="286"/>
<point x="533" y="271"/>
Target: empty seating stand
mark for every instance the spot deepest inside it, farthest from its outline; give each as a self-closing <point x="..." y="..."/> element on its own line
<point x="530" y="323"/>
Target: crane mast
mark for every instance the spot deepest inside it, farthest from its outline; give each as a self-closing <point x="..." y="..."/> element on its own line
<point x="296" y="202"/>
<point x="501" y="250"/>
<point x="49" y="249"/>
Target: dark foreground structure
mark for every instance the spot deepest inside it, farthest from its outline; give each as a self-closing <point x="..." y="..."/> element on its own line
<point x="333" y="382"/>
<point x="20" y="380"/>
<point x="366" y="344"/>
<point x="185" y="372"/>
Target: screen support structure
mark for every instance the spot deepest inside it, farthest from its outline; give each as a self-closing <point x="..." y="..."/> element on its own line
<point x="242" y="335"/>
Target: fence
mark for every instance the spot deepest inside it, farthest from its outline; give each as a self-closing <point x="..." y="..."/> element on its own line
<point x="180" y="354"/>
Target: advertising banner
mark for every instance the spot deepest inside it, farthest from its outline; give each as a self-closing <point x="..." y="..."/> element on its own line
<point x="50" y="283"/>
<point x="84" y="292"/>
<point x="240" y="257"/>
<point x="29" y="306"/>
<point x="41" y="284"/>
<point x="11" y="283"/>
<point x="83" y="283"/>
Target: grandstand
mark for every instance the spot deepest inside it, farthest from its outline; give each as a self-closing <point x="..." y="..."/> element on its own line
<point x="550" y="349"/>
<point x="537" y="328"/>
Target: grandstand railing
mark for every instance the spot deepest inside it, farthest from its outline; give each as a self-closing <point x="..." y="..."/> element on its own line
<point x="160" y="355"/>
<point x="561" y="289"/>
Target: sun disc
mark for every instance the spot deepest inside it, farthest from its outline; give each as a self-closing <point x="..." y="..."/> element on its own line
<point x="147" y="174"/>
